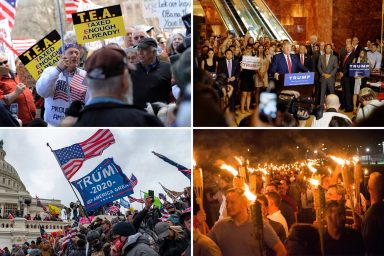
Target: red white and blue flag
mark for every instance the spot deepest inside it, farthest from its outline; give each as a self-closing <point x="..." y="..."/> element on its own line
<point x="138" y="200"/>
<point x="71" y="7"/>
<point x="78" y="88"/>
<point x="164" y="215"/>
<point x="23" y="44"/>
<point x="71" y="158"/>
<point x="8" y="11"/>
<point x="61" y="91"/>
<point x="133" y="180"/>
<point x="184" y="170"/>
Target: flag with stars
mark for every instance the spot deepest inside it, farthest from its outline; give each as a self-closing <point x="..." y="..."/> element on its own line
<point x="8" y="11"/>
<point x="133" y="180"/>
<point x="71" y="158"/>
<point x="61" y="91"/>
<point x="105" y="184"/>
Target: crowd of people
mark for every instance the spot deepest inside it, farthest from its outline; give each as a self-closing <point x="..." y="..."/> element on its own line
<point x="291" y="220"/>
<point x="227" y="94"/>
<point x="151" y="231"/>
<point x="145" y="81"/>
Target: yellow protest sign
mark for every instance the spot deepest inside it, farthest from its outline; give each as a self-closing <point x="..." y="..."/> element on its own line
<point x="98" y="24"/>
<point x="42" y="55"/>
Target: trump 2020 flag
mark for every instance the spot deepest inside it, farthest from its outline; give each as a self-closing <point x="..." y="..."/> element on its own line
<point x="105" y="184"/>
<point x="71" y="158"/>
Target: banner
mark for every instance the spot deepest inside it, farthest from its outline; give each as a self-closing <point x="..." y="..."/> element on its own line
<point x="124" y="203"/>
<point x="105" y="184"/>
<point x="250" y="62"/>
<point x="42" y="55"/>
<point x="98" y="24"/>
<point x="85" y="220"/>
<point x="359" y="69"/>
<point x="299" y="79"/>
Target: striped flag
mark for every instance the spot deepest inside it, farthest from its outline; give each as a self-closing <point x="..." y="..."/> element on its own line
<point x="71" y="7"/>
<point x="61" y="91"/>
<point x="133" y="180"/>
<point x="23" y="44"/>
<point x="113" y="210"/>
<point x="69" y="236"/>
<point x="164" y="215"/>
<point x="171" y="193"/>
<point x="78" y="88"/>
<point x="71" y="158"/>
<point x="132" y="200"/>
<point x="8" y="11"/>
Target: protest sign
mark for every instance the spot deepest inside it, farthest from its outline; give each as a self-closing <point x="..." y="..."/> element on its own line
<point x="98" y="24"/>
<point x="85" y="220"/>
<point x="6" y="42"/>
<point x="299" y="79"/>
<point x="103" y="185"/>
<point x="359" y="69"/>
<point x="250" y="62"/>
<point x="41" y="55"/>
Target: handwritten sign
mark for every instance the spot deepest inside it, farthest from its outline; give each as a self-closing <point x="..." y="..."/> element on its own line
<point x="98" y="24"/>
<point x="250" y="62"/>
<point x="299" y="79"/>
<point x="359" y="69"/>
<point x="41" y="55"/>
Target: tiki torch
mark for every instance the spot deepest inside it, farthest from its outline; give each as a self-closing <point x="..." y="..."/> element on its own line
<point x="319" y="203"/>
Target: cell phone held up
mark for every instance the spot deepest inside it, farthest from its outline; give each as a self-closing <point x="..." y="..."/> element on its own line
<point x="151" y="193"/>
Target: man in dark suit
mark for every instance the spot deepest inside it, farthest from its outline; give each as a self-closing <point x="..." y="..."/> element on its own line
<point x="230" y="69"/>
<point x="304" y="58"/>
<point x="343" y="50"/>
<point x="285" y="63"/>
<point x="356" y="47"/>
<point x="346" y="83"/>
<point x="311" y="46"/>
<point x="327" y="67"/>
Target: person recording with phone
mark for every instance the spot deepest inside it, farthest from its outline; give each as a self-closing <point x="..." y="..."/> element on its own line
<point x="15" y="95"/>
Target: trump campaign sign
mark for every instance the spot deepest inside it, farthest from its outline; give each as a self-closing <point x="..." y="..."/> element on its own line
<point x="359" y="69"/>
<point x="299" y="79"/>
<point x="250" y="62"/>
<point x="105" y="184"/>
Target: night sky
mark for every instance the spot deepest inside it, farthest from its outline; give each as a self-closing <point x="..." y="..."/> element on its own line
<point x="212" y="147"/>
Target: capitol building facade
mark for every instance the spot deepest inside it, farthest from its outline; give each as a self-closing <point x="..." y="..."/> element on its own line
<point x="15" y="200"/>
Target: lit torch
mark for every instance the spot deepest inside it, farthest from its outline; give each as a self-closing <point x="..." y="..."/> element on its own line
<point x="357" y="173"/>
<point x="198" y="188"/>
<point x="319" y="202"/>
<point x="238" y="182"/>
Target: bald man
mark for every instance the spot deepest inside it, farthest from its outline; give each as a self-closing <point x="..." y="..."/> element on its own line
<point x="373" y="223"/>
<point x="332" y="106"/>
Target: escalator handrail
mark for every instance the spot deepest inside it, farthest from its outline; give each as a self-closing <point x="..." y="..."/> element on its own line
<point x="241" y="28"/>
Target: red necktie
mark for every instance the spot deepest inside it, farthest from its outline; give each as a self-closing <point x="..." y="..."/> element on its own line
<point x="289" y="64"/>
<point x="302" y="59"/>
<point x="345" y="59"/>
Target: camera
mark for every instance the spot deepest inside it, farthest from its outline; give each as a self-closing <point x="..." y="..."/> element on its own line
<point x="300" y="107"/>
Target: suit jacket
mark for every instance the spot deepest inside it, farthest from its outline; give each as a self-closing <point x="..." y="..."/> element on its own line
<point x="280" y="66"/>
<point x="307" y="61"/>
<point x="331" y="68"/>
<point x="310" y="52"/>
<point x="222" y="69"/>
<point x="344" y="67"/>
<point x="357" y="51"/>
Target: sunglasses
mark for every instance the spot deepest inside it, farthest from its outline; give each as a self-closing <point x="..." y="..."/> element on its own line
<point x="4" y="62"/>
<point x="138" y="37"/>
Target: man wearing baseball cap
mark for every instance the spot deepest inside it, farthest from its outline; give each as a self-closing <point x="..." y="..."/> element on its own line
<point x="110" y="86"/>
<point x="152" y="77"/>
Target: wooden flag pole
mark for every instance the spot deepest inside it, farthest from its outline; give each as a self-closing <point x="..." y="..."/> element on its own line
<point x="85" y="212"/>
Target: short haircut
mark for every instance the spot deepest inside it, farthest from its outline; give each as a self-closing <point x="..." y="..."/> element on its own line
<point x="377" y="182"/>
<point x="274" y="197"/>
<point x="374" y="44"/>
<point x="264" y="199"/>
<point x="108" y="85"/>
<point x="228" y="50"/>
<point x="340" y="190"/>
<point x="272" y="184"/>
<point x="237" y="191"/>
<point x="334" y="204"/>
<point x="329" y="45"/>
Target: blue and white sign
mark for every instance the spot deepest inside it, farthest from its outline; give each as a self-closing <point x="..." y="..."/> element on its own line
<point x="359" y="69"/>
<point x="124" y="203"/>
<point x="105" y="184"/>
<point x="299" y="79"/>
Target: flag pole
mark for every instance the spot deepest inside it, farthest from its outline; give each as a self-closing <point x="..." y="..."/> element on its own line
<point x="85" y="212"/>
<point x="65" y="72"/>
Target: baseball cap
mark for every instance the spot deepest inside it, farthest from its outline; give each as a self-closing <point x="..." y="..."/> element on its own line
<point x="147" y="42"/>
<point x="162" y="229"/>
<point x="106" y="62"/>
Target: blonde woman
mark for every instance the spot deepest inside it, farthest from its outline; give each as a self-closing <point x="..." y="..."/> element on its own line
<point x="261" y="80"/>
<point x="360" y="81"/>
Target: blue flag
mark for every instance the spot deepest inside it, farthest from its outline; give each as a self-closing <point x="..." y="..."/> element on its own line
<point x="184" y="170"/>
<point x="125" y="203"/>
<point x="105" y="184"/>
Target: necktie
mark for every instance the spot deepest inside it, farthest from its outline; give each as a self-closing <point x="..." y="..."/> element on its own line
<point x="302" y="59"/>
<point x="345" y="58"/>
<point x="289" y="64"/>
<point x="326" y="60"/>
<point x="229" y="67"/>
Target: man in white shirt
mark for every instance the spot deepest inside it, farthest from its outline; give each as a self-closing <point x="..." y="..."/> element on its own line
<point x="274" y="213"/>
<point x="332" y="105"/>
<point x="375" y="58"/>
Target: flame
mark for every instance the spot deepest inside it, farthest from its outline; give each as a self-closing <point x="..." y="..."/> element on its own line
<point x="230" y="169"/>
<point x="194" y="163"/>
<point x="248" y="194"/>
<point x="366" y="172"/>
<point x="330" y="171"/>
<point x="311" y="168"/>
<point x="251" y="170"/>
<point x="339" y="161"/>
<point x="239" y="160"/>
<point x="314" y="182"/>
<point x="355" y="159"/>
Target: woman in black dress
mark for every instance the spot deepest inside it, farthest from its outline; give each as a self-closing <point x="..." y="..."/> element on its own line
<point x="209" y="64"/>
<point x="247" y="84"/>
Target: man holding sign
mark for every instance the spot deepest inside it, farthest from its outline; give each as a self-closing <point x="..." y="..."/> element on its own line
<point x="52" y="85"/>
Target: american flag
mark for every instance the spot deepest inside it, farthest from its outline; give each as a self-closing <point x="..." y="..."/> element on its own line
<point x="162" y="197"/>
<point x="78" y="88"/>
<point x="171" y="193"/>
<point x="8" y="11"/>
<point x="184" y="170"/>
<point x="70" y="235"/>
<point x="133" y="180"/>
<point x="113" y="210"/>
<point x="23" y="44"/>
<point x="132" y="200"/>
<point x="71" y="158"/>
<point x="61" y="91"/>
<point x="71" y="7"/>
<point x="164" y="215"/>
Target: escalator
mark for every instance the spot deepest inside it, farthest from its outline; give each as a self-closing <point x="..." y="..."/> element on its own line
<point x="254" y="16"/>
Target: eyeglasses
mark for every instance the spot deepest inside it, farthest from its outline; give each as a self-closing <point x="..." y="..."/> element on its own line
<point x="4" y="62"/>
<point x="138" y="37"/>
<point x="161" y="42"/>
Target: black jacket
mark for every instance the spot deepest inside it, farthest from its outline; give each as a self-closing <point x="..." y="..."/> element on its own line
<point x="115" y="115"/>
<point x="151" y="86"/>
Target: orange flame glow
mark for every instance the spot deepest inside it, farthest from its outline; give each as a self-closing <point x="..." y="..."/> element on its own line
<point x="230" y="169"/>
<point x="339" y="161"/>
<point x="248" y="194"/>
